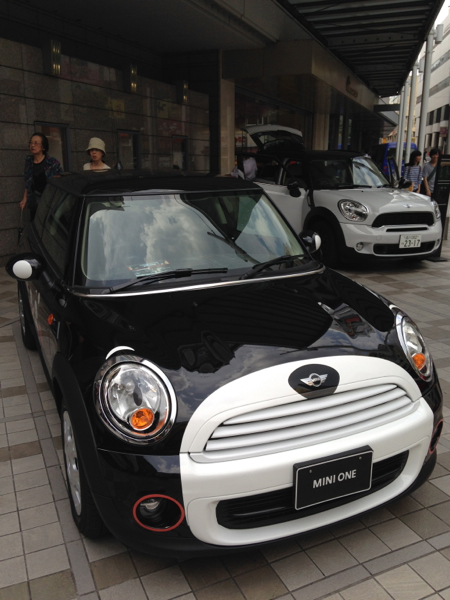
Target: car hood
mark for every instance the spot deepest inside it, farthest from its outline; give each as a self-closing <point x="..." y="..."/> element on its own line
<point x="380" y="200"/>
<point x="205" y="338"/>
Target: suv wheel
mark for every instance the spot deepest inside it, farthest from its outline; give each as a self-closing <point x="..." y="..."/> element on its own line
<point x="84" y="511"/>
<point x="26" y="325"/>
<point x="329" y="245"/>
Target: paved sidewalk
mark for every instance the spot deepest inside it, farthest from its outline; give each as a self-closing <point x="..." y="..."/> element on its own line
<point x="400" y="552"/>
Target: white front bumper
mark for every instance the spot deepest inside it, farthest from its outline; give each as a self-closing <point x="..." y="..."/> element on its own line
<point x="205" y="484"/>
<point x="369" y="236"/>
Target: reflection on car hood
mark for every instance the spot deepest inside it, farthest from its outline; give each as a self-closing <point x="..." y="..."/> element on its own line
<point x="205" y="338"/>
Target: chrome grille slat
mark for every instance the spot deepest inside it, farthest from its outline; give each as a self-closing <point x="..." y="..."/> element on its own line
<point x="306" y="422"/>
<point x="310" y="417"/>
<point x="310" y="405"/>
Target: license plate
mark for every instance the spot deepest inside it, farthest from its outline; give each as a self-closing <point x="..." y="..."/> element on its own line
<point x="412" y="240"/>
<point x="332" y="477"/>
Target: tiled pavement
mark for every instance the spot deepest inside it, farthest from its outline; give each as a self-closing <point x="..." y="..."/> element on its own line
<point x="400" y="552"/>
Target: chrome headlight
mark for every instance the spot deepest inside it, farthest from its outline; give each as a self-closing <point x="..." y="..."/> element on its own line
<point x="437" y="212"/>
<point x="135" y="399"/>
<point x="353" y="211"/>
<point x="413" y="345"/>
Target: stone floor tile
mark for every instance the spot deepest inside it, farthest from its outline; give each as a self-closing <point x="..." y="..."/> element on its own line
<point x="440" y="541"/>
<point x="69" y="529"/>
<point x="434" y="569"/>
<point x="364" y="545"/>
<point x="6" y="486"/>
<point x="27" y="449"/>
<point x="445" y="594"/>
<point x="428" y="494"/>
<point x="11" y="546"/>
<point x="58" y="586"/>
<point x="81" y="572"/>
<point x="15" y="592"/>
<point x="98" y="549"/>
<point x="346" y="528"/>
<point x="113" y="570"/>
<point x="12" y="571"/>
<point x="46" y="562"/>
<point x="34" y="497"/>
<point x="404" y="506"/>
<point x="22" y="437"/>
<point x="314" y="539"/>
<point x="330" y="585"/>
<point x="146" y="564"/>
<point x="129" y="589"/>
<point x="398" y="557"/>
<point x="21" y="425"/>
<point x="425" y="523"/>
<point x="8" y="503"/>
<point x="166" y="584"/>
<point x="242" y="562"/>
<point x="9" y="523"/>
<point x="202" y="572"/>
<point x="367" y="590"/>
<point x="296" y="571"/>
<point x="225" y="590"/>
<point x="377" y="516"/>
<point x="331" y="557"/>
<point x="404" y="584"/>
<point x="395" y="534"/>
<point x="5" y="469"/>
<point x="280" y="550"/>
<point x="29" y="463"/>
<point x="42" y="537"/>
<point x="443" y="483"/>
<point x="32" y="479"/>
<point x="38" y="516"/>
<point x="261" y="584"/>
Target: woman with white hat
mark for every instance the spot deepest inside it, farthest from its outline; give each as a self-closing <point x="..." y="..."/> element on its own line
<point x="96" y="150"/>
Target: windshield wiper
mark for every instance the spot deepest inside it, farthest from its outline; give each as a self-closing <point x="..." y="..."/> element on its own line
<point x="264" y="265"/>
<point x="175" y="274"/>
<point x="352" y="186"/>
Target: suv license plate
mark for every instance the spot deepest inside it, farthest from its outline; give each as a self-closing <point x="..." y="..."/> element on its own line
<point x="332" y="477"/>
<point x="410" y="241"/>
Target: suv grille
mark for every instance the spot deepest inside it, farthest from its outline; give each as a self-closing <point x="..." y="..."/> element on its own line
<point x="277" y="507"/>
<point x="381" y="249"/>
<point x="404" y="218"/>
<point x="305" y="422"/>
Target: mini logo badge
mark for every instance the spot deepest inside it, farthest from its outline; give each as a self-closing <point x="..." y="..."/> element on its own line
<point x="314" y="380"/>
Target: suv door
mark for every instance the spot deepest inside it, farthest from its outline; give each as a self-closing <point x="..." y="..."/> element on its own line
<point x="294" y="209"/>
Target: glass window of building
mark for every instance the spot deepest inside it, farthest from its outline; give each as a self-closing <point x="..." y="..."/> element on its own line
<point x="438" y="115"/>
<point x="130" y="149"/>
<point x="180" y="152"/>
<point x="58" y="141"/>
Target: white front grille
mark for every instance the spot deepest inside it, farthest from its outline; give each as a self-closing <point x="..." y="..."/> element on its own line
<point x="306" y="422"/>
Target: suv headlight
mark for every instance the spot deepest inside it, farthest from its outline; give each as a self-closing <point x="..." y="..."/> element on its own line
<point x="413" y="344"/>
<point x="353" y="211"/>
<point x="135" y="399"/>
<point x="437" y="212"/>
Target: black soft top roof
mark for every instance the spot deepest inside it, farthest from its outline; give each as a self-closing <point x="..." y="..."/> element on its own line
<point x="291" y="152"/>
<point x="123" y="182"/>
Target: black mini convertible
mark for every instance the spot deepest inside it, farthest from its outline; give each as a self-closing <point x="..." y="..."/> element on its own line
<point x="218" y="387"/>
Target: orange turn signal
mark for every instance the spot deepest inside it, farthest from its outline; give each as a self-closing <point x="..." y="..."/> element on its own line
<point x="419" y="360"/>
<point x="50" y="319"/>
<point x="142" y="418"/>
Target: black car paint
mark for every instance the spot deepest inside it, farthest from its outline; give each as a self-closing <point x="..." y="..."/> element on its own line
<point x="201" y="339"/>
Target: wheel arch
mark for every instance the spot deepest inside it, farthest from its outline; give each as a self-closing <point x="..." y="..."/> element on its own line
<point x="66" y="389"/>
<point x="323" y="214"/>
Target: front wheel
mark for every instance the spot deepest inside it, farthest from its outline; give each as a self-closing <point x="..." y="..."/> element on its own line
<point x="26" y="325"/>
<point x="329" y="245"/>
<point x="84" y="511"/>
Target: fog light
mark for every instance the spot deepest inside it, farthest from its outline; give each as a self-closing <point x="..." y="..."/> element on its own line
<point x="157" y="512"/>
<point x="359" y="246"/>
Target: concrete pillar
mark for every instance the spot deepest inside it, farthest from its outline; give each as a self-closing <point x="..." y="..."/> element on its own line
<point x="227" y="126"/>
<point x="412" y="104"/>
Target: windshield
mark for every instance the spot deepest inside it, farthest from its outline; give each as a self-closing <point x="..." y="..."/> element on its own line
<point x="128" y="237"/>
<point x="341" y="173"/>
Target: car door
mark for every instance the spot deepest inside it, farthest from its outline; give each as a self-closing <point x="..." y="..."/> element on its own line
<point x="294" y="209"/>
<point x="47" y="295"/>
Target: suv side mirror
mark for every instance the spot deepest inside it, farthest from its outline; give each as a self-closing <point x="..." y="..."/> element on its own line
<point x="294" y="187"/>
<point x="311" y="240"/>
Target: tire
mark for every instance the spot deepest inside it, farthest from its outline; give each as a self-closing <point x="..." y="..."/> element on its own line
<point x="26" y="325"/>
<point x="329" y="245"/>
<point x="82" y="505"/>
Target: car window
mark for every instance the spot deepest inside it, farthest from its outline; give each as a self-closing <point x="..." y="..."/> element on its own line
<point x="294" y="171"/>
<point x="268" y="172"/>
<point x="345" y="173"/>
<point x="55" y="234"/>
<point x="126" y="237"/>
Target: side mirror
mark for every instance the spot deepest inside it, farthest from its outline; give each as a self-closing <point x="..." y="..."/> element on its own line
<point x="311" y="240"/>
<point x="25" y="267"/>
<point x="404" y="184"/>
<point x="294" y="189"/>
